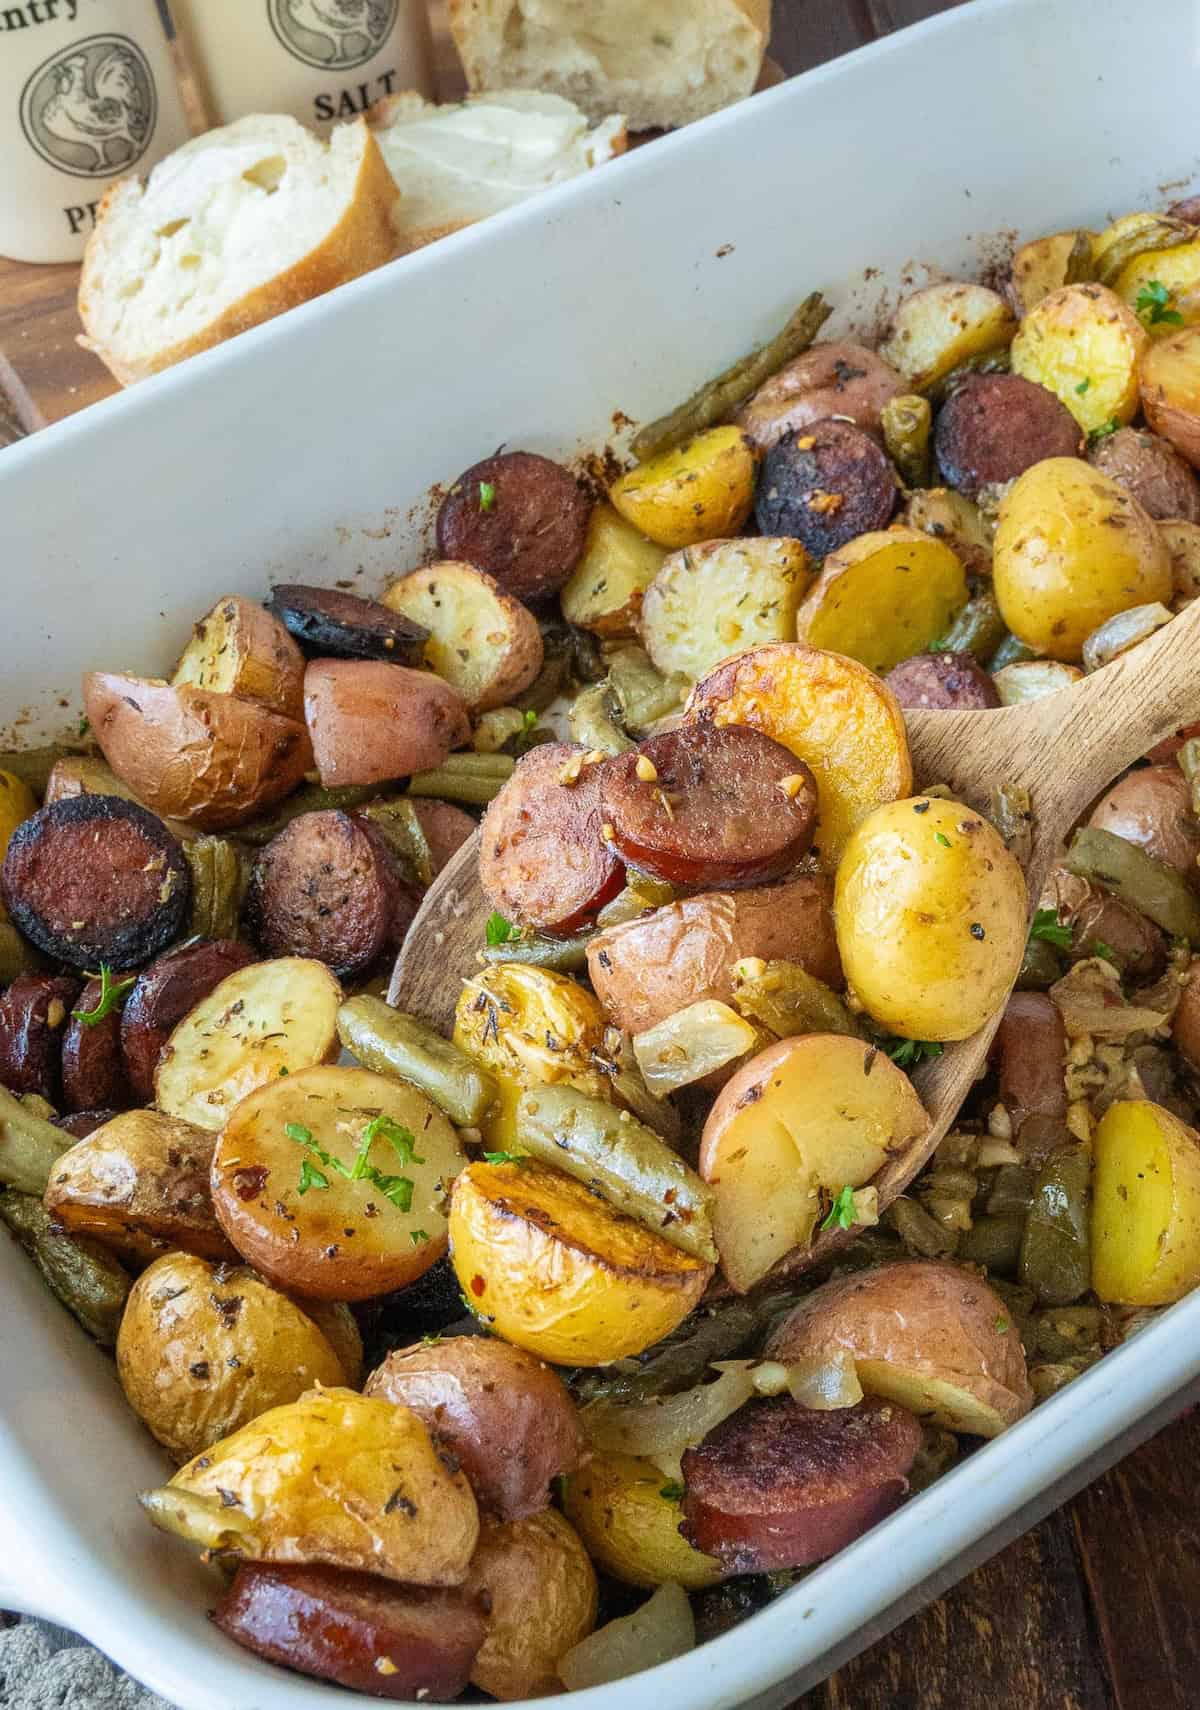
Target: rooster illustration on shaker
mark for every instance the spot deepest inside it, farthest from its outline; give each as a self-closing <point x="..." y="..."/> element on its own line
<point x="104" y="111"/>
<point x="343" y="23"/>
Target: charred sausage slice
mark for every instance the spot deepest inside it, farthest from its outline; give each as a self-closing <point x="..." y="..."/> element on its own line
<point x="708" y="805"/>
<point x="365" y="1633"/>
<point x="34" y="1013"/>
<point x="825" y="485"/>
<point x="93" y="1070"/>
<point x="521" y="518"/>
<point x="328" y="887"/>
<point x="543" y="859"/>
<point x="954" y="681"/>
<point x="330" y="623"/>
<point x="993" y="427"/>
<point x="163" y="995"/>
<point x="1032" y="1048"/>
<point x="96" y="879"/>
<point x="777" y="1485"/>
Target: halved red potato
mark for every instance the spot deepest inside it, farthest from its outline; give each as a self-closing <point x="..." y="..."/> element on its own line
<point x="238" y="648"/>
<point x="832" y="378"/>
<point x="371" y="721"/>
<point x="535" y="1580"/>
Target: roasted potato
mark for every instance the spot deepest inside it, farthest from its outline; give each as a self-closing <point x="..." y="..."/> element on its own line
<point x="1170" y="383"/>
<point x="333" y="1478"/>
<point x="883" y="597"/>
<point x="371" y="722"/>
<point x="238" y="648"/>
<point x="835" y="378"/>
<point x="1163" y="484"/>
<point x="204" y="1349"/>
<point x="1085" y="346"/>
<point x="1145" y="1205"/>
<point x="1040" y="267"/>
<point x="628" y="1514"/>
<point x="551" y="1268"/>
<point x="539" y="1589"/>
<point x="1073" y="548"/>
<point x="1183" y="545"/>
<point x="263" y="1021"/>
<point x="1152" y="807"/>
<point x="482" y="641"/>
<point x="1030" y="679"/>
<point x="702" y="491"/>
<point x="505" y="1414"/>
<point x="604" y="592"/>
<point x="211" y="760"/>
<point x="931" y="1336"/>
<point x="957" y="521"/>
<point x="1162" y="287"/>
<point x="805" y="1119"/>
<point x="942" y="326"/>
<point x="140" y="1185"/>
<point x="87" y="775"/>
<point x="713" y="600"/>
<point x="332" y="1181"/>
<point x="834" y="713"/>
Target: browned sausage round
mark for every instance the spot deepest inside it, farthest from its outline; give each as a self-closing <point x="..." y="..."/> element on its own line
<point x="328" y="887"/>
<point x="993" y="427"/>
<point x="505" y="1415"/>
<point x="163" y="995"/>
<point x="824" y="485"/>
<point x="1152" y="470"/>
<point x="708" y="805"/>
<point x="96" y="879"/>
<point x="1152" y="807"/>
<point x="1032" y="1048"/>
<point x="542" y="859"/>
<point x="778" y="1485"/>
<point x="1102" y="922"/>
<point x="93" y="1070"/>
<point x="34" y="1012"/>
<point x="365" y="1633"/>
<point x="954" y="681"/>
<point x="81" y="1123"/>
<point x="330" y="623"/>
<point x="521" y="518"/>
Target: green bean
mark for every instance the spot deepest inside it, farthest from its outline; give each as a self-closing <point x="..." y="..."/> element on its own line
<point x="643" y="694"/>
<point x="978" y="628"/>
<point x="1065" y="1332"/>
<point x="919" y="1232"/>
<point x="595" y="722"/>
<point x="391" y="1043"/>
<point x="1011" y="1190"/>
<point x="1056" y="1249"/>
<point x="17" y="955"/>
<point x="717" y="399"/>
<point x="34" y="765"/>
<point x="220" y="877"/>
<point x="680" y="1361"/>
<point x="609" y="1150"/>
<point x="562" y="955"/>
<point x="994" y="1242"/>
<point x="87" y="1279"/>
<point x="907" y="422"/>
<point x="309" y="798"/>
<point x="474" y="779"/>
<point x="650" y="892"/>
<point x="787" y="1000"/>
<point x="1151" y="887"/>
<point x="29" y="1146"/>
<point x="1041" y="966"/>
<point x="1162" y="232"/>
<point x="1010" y="651"/>
<point x="1080" y="268"/>
<point x="395" y="819"/>
<point x="1011" y="812"/>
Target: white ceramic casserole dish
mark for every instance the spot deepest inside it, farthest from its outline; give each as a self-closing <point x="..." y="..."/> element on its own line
<point x="305" y="449"/>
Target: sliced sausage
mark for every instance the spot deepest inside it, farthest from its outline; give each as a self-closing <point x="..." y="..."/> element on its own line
<point x="825" y="485"/>
<point x="521" y="518"/>
<point x="777" y="1485"/>
<point x="506" y="1416"/>
<point x="1152" y="807"/>
<point x="837" y="378"/>
<point x="950" y="681"/>
<point x="708" y="805"/>
<point x="96" y="879"/>
<point x="1100" y="922"/>
<point x="93" y="1070"/>
<point x="327" y="887"/>
<point x="993" y="427"/>
<point x="34" y="1013"/>
<point x="1185" y="1024"/>
<point x="1032" y="1049"/>
<point x="330" y="623"/>
<point x="542" y="858"/>
<point x="81" y="1123"/>
<point x="446" y="829"/>
<point x="365" y="1633"/>
<point x="1150" y="468"/>
<point x="166" y="992"/>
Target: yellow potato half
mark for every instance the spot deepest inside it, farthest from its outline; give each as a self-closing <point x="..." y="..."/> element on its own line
<point x="1145" y="1205"/>
<point x="627" y="1513"/>
<point x="883" y="597"/>
<point x="539" y="1589"/>
<point x="604" y="591"/>
<point x="1178" y="272"/>
<point x="701" y="491"/>
<point x="1085" y="345"/>
<point x="941" y="326"/>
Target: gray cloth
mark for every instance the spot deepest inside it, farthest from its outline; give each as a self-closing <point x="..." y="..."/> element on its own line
<point x="44" y="1668"/>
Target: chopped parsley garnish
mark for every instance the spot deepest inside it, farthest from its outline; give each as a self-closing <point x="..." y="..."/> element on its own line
<point x="940" y="837"/>
<point x="398" y="1189"/>
<point x="907" y="1052"/>
<point x="500" y="931"/>
<point x="1082" y="386"/>
<point x="1103" y="431"/>
<point x="523" y="740"/>
<point x="841" y="1212"/>
<point x="402" y="1141"/>
<point x="487" y="495"/>
<point x="1050" y="929"/>
<point x="672" y="1492"/>
<point x="111" y="993"/>
<point x="416" y="1236"/>
<point x="1001" y="1326"/>
<point x="1104" y="951"/>
<point x="1154" y="305"/>
<point x="85" y="724"/>
<point x="311" y="1176"/>
<point x="505" y="1157"/>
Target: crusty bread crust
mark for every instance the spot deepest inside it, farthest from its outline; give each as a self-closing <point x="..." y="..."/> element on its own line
<point x="363" y="239"/>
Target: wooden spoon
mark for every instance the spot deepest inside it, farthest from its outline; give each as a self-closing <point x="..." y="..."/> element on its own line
<point x="1064" y="749"/>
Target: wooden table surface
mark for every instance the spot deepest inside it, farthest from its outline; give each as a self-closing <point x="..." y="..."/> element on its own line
<point x="1098" y="1608"/>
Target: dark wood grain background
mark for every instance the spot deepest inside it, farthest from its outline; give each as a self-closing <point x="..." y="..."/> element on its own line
<point x="1098" y="1608"/>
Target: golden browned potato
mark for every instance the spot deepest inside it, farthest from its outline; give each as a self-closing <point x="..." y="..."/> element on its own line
<point x="1162" y="286"/>
<point x="1145" y="1205"/>
<point x="371" y="721"/>
<point x="139" y="1183"/>
<point x="713" y="600"/>
<point x="1183" y="544"/>
<point x="627" y="1512"/>
<point x="836" y="378"/>
<point x="335" y="1478"/>
<point x="804" y="1120"/>
<point x="701" y="491"/>
<point x="205" y="1348"/>
<point x="1083" y="344"/>
<point x="942" y="326"/>
<point x="953" y="518"/>
<point x="604" y="591"/>
<point x="883" y="597"/>
<point x="539" y="1589"/>
<point x="212" y="760"/>
<point x="482" y="641"/>
<point x="1040" y="267"/>
<point x="238" y="648"/>
<point x="1171" y="391"/>
<point x="932" y="1337"/>
<point x="551" y="1268"/>
<point x="86" y="775"/>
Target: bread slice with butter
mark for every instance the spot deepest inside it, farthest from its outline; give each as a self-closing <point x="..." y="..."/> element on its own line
<point x="459" y="162"/>
<point x="660" y="62"/>
<point x="233" y="228"/>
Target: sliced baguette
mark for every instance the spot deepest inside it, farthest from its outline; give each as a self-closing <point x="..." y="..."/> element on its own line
<point x="458" y="163"/>
<point x="233" y="228"/>
<point x="661" y="65"/>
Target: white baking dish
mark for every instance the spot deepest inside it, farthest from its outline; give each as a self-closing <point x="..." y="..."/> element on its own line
<point x="304" y="447"/>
